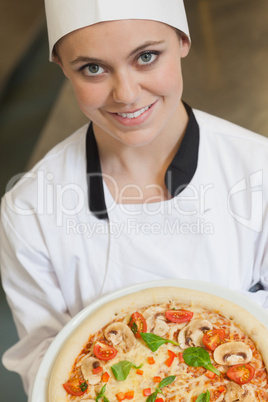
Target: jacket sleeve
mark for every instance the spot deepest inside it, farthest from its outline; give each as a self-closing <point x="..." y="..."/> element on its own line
<point x="33" y="294"/>
<point x="258" y="291"/>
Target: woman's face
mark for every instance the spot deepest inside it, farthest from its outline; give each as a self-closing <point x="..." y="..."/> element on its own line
<point x="127" y="77"/>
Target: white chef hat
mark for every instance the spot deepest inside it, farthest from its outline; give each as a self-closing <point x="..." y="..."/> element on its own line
<point x="65" y="16"/>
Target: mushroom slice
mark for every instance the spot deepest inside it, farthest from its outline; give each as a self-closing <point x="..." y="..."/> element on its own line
<point x="192" y="334"/>
<point x="248" y="395"/>
<point x="174" y="330"/>
<point x="87" y="370"/>
<point x="120" y="335"/>
<point x="154" y="311"/>
<point x="231" y="353"/>
<point x="160" y="327"/>
<point x="235" y="393"/>
<point x="156" y="320"/>
<point x="157" y="324"/>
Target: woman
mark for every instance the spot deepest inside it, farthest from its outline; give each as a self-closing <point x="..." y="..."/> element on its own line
<point x="150" y="190"/>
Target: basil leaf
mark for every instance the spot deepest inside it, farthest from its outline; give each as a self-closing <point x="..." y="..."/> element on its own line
<point x="134" y="328"/>
<point x="101" y="393"/>
<point x="105" y="399"/>
<point x="199" y="357"/>
<point x="210" y="367"/>
<point x="121" y="370"/>
<point x="83" y="386"/>
<point x="154" y="341"/>
<point x="137" y="367"/>
<point x="166" y="381"/>
<point x="204" y="397"/>
<point x="152" y="397"/>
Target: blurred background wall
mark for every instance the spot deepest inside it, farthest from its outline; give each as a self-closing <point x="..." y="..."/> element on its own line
<point x="226" y="74"/>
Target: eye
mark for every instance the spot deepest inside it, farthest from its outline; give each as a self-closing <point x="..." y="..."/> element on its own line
<point x="92" y="70"/>
<point x="147" y="58"/>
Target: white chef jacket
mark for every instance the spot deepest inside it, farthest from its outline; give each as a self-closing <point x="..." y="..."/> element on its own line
<point x="65" y="242"/>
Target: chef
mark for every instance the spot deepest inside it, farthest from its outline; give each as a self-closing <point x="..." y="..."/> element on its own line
<point x="150" y="189"/>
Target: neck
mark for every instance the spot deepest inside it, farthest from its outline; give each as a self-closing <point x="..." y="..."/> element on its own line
<point x="142" y="166"/>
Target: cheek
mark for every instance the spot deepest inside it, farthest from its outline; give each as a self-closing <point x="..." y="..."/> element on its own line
<point x="168" y="82"/>
<point x="89" y="96"/>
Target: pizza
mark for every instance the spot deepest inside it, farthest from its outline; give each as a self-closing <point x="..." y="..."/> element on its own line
<point x="164" y="344"/>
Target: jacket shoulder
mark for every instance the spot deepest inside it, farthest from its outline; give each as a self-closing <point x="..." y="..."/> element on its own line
<point x="218" y="127"/>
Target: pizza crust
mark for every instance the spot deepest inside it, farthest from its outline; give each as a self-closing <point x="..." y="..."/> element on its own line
<point x="130" y="303"/>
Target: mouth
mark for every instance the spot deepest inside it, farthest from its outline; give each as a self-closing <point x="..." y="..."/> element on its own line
<point x="136" y="114"/>
<point x="135" y="117"/>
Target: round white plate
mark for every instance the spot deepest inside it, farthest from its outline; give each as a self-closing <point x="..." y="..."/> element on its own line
<point x="39" y="393"/>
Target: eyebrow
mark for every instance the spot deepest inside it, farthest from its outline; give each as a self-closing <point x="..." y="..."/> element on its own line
<point x="86" y="59"/>
<point x="145" y="45"/>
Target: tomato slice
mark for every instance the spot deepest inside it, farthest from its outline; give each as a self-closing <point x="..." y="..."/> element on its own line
<point x="129" y="395"/>
<point x="75" y="390"/>
<point x="137" y="324"/>
<point x="213" y="338"/>
<point x="179" y="315"/>
<point x="120" y="396"/>
<point x="105" y="377"/>
<point x="172" y="356"/>
<point x="97" y="370"/>
<point x="241" y="373"/>
<point x="146" y="392"/>
<point x="180" y="356"/>
<point x="103" y="351"/>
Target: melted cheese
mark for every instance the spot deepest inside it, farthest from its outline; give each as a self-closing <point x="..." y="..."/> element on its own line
<point x="190" y="381"/>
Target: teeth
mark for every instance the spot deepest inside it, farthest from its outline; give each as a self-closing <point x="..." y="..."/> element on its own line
<point x="134" y="115"/>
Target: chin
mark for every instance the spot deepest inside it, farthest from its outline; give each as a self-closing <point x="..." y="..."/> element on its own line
<point x="136" y="139"/>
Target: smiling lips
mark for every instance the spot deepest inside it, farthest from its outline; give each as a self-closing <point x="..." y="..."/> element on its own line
<point x="135" y="114"/>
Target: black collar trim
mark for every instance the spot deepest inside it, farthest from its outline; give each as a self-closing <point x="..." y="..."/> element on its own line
<point x="96" y="197"/>
<point x="179" y="174"/>
<point x="182" y="169"/>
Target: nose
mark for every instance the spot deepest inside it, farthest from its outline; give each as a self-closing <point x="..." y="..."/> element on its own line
<point x="126" y="88"/>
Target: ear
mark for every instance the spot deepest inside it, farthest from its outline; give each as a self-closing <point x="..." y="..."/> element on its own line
<point x="185" y="45"/>
<point x="57" y="59"/>
<point x="59" y="62"/>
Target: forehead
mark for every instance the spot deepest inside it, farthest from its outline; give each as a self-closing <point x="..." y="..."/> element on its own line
<point x="111" y="34"/>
